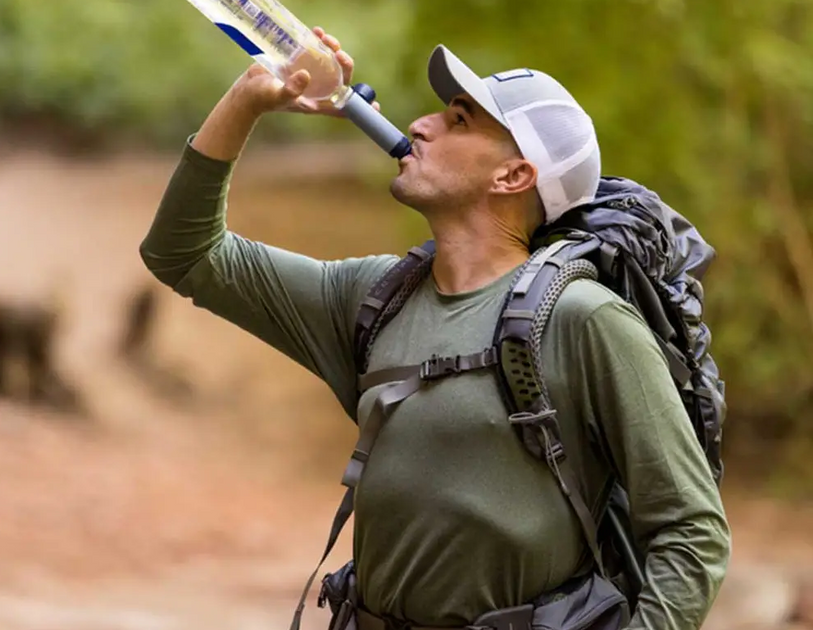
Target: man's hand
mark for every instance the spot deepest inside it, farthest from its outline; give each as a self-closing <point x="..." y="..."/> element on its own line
<point x="262" y="92"/>
<point x="226" y="130"/>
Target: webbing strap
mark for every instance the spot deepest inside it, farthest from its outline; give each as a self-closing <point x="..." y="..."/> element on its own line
<point x="570" y="488"/>
<point x="677" y="366"/>
<point x="607" y="256"/>
<point x="516" y="321"/>
<point x="381" y="410"/>
<point x="339" y="521"/>
<point x="383" y="406"/>
<point x="542" y="422"/>
<point x="387" y="375"/>
<point x="433" y="368"/>
<point x="374" y="305"/>
<point x="536" y="263"/>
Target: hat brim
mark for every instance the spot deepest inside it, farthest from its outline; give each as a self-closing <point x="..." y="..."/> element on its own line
<point x="450" y="77"/>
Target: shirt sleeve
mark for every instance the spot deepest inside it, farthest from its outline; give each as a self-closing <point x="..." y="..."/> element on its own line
<point x="301" y="306"/>
<point x="676" y="508"/>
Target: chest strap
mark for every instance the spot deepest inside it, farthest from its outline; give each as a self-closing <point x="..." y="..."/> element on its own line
<point x="431" y="369"/>
<point x="405" y="382"/>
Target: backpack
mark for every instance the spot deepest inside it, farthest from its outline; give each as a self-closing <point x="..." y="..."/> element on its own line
<point x="630" y="241"/>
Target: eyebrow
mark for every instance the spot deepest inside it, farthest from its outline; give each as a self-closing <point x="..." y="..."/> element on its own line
<point x="460" y="102"/>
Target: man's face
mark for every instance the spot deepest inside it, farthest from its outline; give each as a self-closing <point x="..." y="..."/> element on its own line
<point x="455" y="155"/>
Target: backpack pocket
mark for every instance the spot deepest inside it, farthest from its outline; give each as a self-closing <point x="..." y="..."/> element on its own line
<point x="591" y="603"/>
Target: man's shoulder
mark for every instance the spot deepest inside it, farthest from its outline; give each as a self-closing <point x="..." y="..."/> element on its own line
<point x="588" y="305"/>
<point x="583" y="298"/>
<point x="355" y="276"/>
<point x="363" y="270"/>
<point x="590" y="313"/>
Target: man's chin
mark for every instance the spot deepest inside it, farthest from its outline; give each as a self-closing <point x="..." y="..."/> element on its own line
<point x="405" y="192"/>
<point x="400" y="191"/>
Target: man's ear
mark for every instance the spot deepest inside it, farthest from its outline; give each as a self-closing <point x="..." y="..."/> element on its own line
<point x="514" y="176"/>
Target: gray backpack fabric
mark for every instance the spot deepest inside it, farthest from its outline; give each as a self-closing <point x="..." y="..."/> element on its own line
<point x="632" y="242"/>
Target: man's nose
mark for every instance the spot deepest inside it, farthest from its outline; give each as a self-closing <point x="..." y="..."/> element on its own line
<point x="424" y="127"/>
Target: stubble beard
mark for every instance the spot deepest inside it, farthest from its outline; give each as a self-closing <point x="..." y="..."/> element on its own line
<point x="406" y="192"/>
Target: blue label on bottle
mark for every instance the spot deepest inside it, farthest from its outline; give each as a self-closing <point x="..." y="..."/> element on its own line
<point x="241" y="40"/>
<point x="279" y="37"/>
<point x="263" y="26"/>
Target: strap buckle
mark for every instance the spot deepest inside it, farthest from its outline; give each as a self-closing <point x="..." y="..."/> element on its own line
<point x="491" y="356"/>
<point x="543" y="425"/>
<point x="544" y="422"/>
<point x="555" y="453"/>
<point x="438" y="367"/>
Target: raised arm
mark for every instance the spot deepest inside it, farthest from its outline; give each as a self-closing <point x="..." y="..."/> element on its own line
<point x="302" y="306"/>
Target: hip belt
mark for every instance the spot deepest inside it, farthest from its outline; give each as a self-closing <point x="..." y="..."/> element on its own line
<point x="519" y="618"/>
<point x="590" y="602"/>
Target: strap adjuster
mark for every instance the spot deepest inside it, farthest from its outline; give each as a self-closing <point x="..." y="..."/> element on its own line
<point x="555" y="453"/>
<point x="545" y="422"/>
<point x="438" y="367"/>
<point x="542" y="419"/>
<point x="360" y="456"/>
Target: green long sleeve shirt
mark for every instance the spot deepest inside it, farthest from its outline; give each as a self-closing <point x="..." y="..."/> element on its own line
<point x="453" y="517"/>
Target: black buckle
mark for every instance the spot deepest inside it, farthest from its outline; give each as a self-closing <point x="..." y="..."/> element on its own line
<point x="438" y="367"/>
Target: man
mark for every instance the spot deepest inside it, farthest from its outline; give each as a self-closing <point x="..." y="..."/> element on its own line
<point x="453" y="517"/>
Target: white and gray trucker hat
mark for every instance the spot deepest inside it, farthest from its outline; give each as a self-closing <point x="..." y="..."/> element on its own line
<point x="549" y="126"/>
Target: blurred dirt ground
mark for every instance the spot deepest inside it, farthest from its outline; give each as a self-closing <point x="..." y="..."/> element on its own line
<point x="206" y="504"/>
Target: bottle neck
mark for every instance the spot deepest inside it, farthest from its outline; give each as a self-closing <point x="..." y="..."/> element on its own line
<point x="340" y="97"/>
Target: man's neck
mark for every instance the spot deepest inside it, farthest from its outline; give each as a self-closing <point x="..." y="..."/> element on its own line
<point x="473" y="253"/>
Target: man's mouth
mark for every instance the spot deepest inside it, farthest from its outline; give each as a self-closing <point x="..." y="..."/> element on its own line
<point x="413" y="155"/>
<point x="406" y="160"/>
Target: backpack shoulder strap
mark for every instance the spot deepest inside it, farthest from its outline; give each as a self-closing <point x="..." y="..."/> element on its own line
<point x="386" y="297"/>
<point x="522" y="321"/>
<point x="528" y="307"/>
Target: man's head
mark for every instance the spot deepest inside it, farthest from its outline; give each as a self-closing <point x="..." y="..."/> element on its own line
<point x="515" y="135"/>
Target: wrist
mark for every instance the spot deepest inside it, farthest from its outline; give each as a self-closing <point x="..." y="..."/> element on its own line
<point x="242" y="105"/>
<point x="226" y="130"/>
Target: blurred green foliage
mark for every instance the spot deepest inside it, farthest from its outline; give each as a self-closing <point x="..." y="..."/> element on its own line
<point x="708" y="103"/>
<point x="152" y="69"/>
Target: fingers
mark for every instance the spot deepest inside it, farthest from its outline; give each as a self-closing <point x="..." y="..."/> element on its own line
<point x="294" y="86"/>
<point x="347" y="64"/>
<point x="328" y="40"/>
<point x="331" y="42"/>
<point x="345" y="60"/>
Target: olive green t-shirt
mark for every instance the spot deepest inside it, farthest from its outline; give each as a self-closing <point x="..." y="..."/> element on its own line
<point x="453" y="517"/>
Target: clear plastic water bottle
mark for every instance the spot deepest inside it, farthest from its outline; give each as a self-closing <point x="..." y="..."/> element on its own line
<point x="283" y="45"/>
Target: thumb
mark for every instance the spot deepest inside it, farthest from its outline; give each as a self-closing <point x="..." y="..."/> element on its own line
<point x="295" y="86"/>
